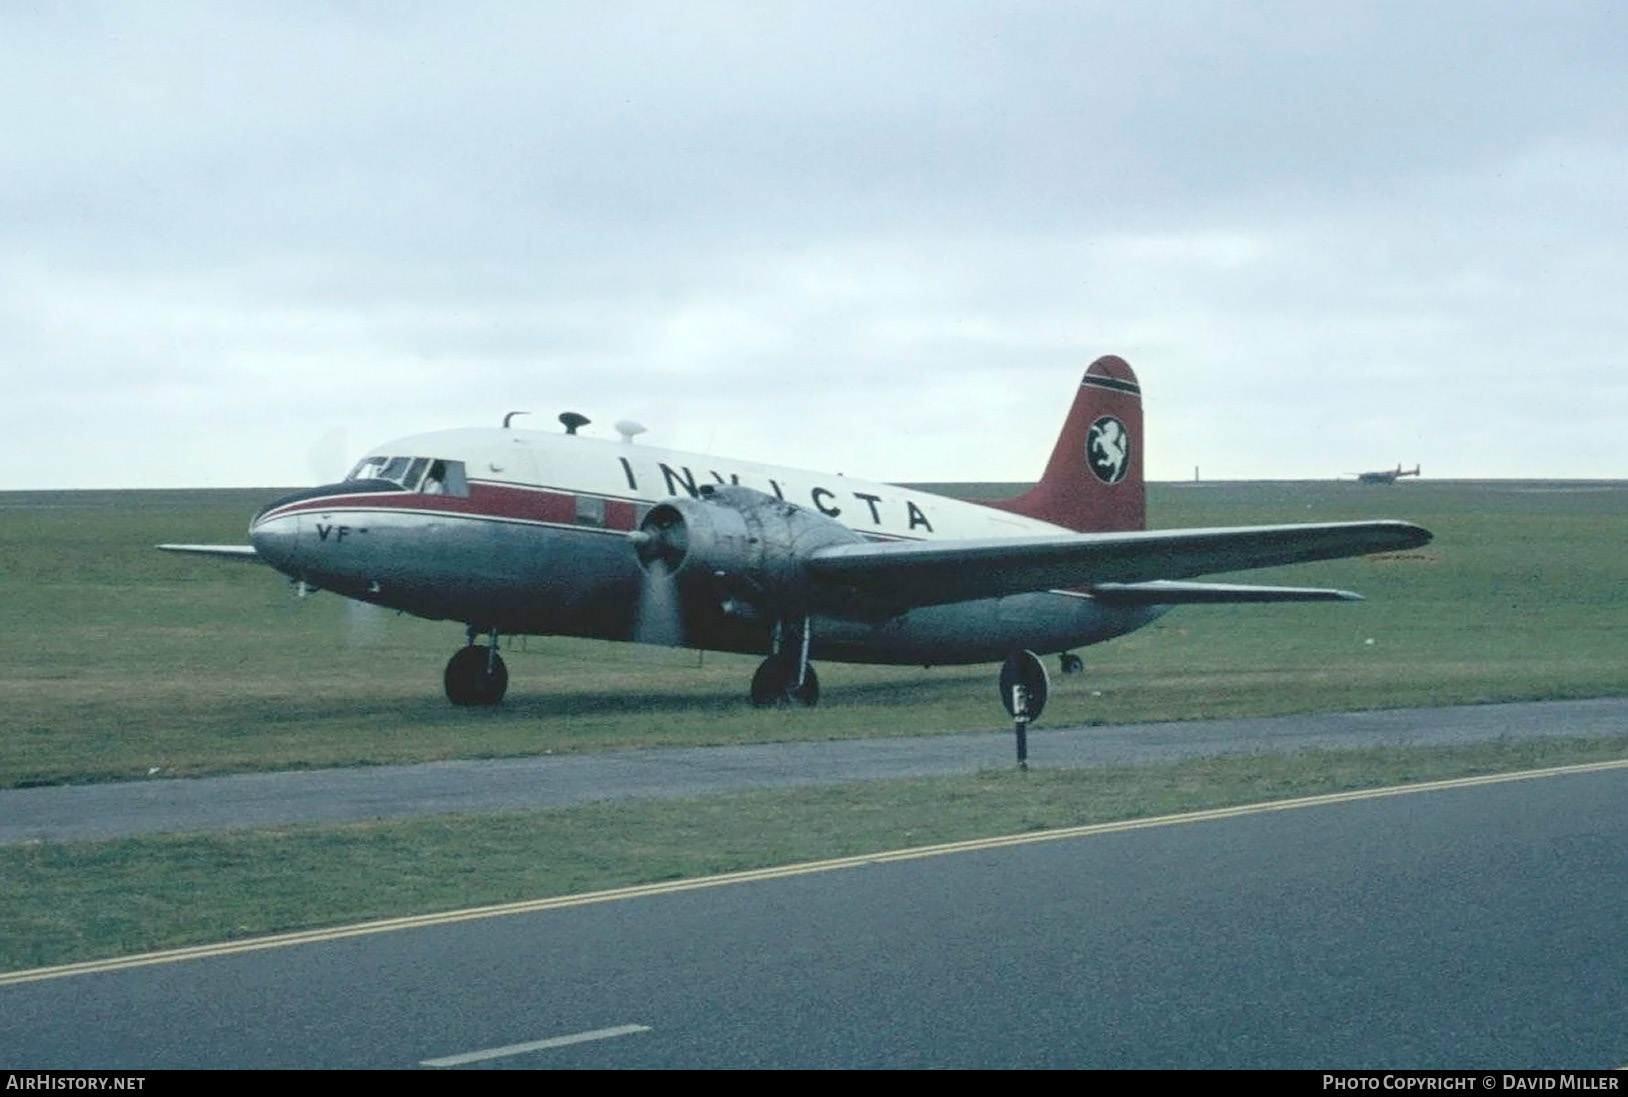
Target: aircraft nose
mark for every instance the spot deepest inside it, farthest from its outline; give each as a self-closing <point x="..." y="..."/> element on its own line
<point x="276" y="539"/>
<point x="275" y="531"/>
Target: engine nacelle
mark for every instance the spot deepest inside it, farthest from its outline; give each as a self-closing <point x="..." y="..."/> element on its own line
<point x="738" y="543"/>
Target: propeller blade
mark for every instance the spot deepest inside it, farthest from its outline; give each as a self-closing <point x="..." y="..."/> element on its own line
<point x="660" y="617"/>
<point x="364" y="623"/>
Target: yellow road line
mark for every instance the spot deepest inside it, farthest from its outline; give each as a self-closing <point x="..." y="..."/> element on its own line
<point x="672" y="887"/>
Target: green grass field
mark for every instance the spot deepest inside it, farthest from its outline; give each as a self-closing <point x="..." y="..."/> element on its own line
<point x="121" y="662"/>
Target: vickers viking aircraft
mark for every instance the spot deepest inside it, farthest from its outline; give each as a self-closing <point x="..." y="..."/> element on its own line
<point x="517" y="532"/>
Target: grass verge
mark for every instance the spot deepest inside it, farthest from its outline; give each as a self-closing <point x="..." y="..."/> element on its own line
<point x="67" y="902"/>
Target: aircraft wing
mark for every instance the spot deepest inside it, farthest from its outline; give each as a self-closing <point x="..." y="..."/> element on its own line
<point x="224" y="552"/>
<point x="1161" y="592"/>
<point x="1129" y="567"/>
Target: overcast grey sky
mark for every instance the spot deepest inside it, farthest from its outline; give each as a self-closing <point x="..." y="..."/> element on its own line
<point x="239" y="243"/>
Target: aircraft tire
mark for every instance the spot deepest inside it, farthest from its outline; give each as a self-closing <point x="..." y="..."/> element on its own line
<point x="468" y="681"/>
<point x="771" y="686"/>
<point x="808" y="695"/>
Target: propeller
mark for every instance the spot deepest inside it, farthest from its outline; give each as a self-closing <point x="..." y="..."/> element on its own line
<point x="661" y="543"/>
<point x="659" y="619"/>
<point x="364" y="623"/>
<point x="327" y="456"/>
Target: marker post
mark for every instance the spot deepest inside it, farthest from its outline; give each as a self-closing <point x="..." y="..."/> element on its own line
<point x="1020" y="723"/>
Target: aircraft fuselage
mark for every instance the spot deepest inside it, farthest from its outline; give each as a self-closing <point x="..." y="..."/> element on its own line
<point x="523" y="532"/>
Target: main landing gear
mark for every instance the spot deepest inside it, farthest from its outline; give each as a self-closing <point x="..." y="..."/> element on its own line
<point x="786" y="676"/>
<point x="476" y="675"/>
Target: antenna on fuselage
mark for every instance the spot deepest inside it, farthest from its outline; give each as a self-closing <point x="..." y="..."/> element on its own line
<point x="628" y="429"/>
<point x="572" y="421"/>
<point x="509" y="418"/>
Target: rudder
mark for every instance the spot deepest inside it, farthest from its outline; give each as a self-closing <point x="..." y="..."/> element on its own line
<point x="1093" y="482"/>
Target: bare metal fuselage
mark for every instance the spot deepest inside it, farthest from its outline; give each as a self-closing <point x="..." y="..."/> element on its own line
<point x="519" y="552"/>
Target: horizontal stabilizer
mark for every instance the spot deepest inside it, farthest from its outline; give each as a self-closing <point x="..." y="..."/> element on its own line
<point x="1189" y="594"/>
<point x="245" y="553"/>
<point x="927" y="573"/>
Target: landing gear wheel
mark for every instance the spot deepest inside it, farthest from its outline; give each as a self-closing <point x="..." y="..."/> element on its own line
<point x="772" y="685"/>
<point x="476" y="676"/>
<point x="1025" y="669"/>
<point x="1071" y="663"/>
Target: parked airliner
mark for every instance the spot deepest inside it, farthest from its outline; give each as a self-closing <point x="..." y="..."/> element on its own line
<point x="518" y="532"/>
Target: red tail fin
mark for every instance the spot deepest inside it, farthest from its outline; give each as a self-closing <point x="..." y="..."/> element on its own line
<point x="1093" y="482"/>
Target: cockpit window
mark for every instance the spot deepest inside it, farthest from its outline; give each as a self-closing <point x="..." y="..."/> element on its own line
<point x="445" y="478"/>
<point x="368" y="468"/>
<point x="414" y="476"/>
<point x="395" y="470"/>
<point x="430" y="475"/>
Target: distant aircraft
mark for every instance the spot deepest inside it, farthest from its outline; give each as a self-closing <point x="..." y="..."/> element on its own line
<point x="516" y="532"/>
<point x="1386" y="476"/>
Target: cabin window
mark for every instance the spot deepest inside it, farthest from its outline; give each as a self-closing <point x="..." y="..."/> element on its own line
<point x="591" y="511"/>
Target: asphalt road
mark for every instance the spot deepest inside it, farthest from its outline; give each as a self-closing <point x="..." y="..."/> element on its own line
<point x="1478" y="926"/>
<point x="269" y="799"/>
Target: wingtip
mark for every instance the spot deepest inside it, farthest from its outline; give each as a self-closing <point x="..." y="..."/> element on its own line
<point x="1419" y="535"/>
<point x="230" y="552"/>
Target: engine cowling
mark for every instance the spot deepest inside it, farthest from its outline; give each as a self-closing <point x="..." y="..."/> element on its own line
<point x="735" y="542"/>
